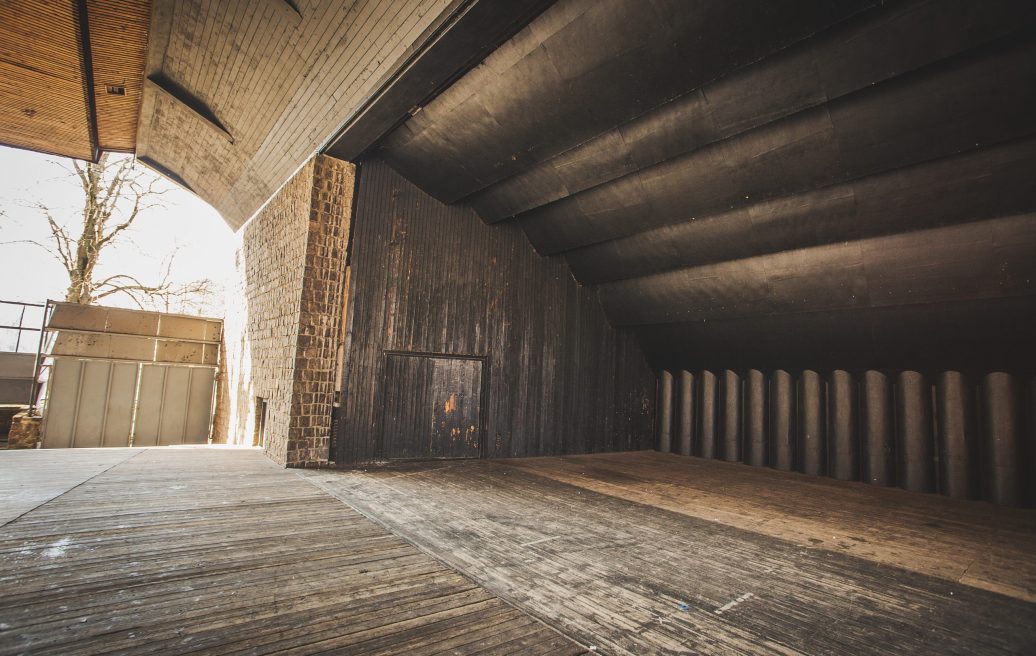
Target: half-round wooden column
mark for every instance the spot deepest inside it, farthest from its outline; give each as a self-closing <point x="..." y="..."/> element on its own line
<point x="665" y="412"/>
<point x="1029" y="440"/>
<point x="843" y="443"/>
<point x="730" y="406"/>
<point x="956" y="438"/>
<point x="811" y="443"/>
<point x="915" y="463"/>
<point x="685" y="412"/>
<point x="877" y="430"/>
<point x="1002" y="452"/>
<point x="755" y="419"/>
<point x="782" y="421"/>
<point x="707" y="398"/>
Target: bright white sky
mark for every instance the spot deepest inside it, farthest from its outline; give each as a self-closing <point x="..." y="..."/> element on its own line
<point x="28" y="273"/>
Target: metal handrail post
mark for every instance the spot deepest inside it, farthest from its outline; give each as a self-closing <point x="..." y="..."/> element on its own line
<point x="36" y="364"/>
<point x="18" y="338"/>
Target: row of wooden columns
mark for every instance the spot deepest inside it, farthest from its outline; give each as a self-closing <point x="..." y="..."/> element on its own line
<point x="969" y="439"/>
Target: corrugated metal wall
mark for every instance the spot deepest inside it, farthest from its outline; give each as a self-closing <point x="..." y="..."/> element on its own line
<point x="965" y="436"/>
<point x="432" y="279"/>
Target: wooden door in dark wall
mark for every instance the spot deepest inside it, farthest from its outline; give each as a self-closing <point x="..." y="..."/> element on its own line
<point x="432" y="406"/>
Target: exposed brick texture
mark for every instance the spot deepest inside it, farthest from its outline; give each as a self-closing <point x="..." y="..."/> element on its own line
<point x="284" y="316"/>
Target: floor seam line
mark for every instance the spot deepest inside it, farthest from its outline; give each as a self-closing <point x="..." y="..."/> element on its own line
<point x="311" y="479"/>
<point x="82" y="482"/>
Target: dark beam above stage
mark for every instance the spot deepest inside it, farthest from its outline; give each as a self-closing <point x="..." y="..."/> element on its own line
<point x="750" y="183"/>
<point x="476" y="30"/>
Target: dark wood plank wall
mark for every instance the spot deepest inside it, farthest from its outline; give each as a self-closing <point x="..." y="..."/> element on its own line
<point x="431" y="278"/>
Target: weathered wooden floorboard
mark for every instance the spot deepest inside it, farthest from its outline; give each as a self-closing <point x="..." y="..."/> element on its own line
<point x="986" y="546"/>
<point x="209" y="551"/>
<point x="24" y="486"/>
<point x="174" y="594"/>
<point x="638" y="578"/>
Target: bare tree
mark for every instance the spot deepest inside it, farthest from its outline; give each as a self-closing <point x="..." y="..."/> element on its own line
<point x="115" y="194"/>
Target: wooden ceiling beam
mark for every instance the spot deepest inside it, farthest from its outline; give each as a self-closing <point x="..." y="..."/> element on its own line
<point x="86" y="62"/>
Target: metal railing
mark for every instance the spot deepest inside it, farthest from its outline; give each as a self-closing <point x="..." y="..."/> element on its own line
<point x="16" y="319"/>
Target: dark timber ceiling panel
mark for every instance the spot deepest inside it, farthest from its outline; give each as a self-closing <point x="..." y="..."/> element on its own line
<point x="752" y="183"/>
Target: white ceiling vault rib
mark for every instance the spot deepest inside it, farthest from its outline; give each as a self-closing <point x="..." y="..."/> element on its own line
<point x="186" y="98"/>
<point x="270" y="81"/>
<point x="290" y="5"/>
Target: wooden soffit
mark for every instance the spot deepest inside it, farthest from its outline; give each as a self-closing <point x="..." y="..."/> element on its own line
<point x="71" y="73"/>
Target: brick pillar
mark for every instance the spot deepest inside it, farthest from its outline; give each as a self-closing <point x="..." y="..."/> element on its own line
<point x="283" y="321"/>
<point x="320" y="312"/>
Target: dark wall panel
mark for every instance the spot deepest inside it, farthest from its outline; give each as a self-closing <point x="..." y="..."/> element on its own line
<point x="708" y="409"/>
<point x="921" y="433"/>
<point x="956" y="438"/>
<point x="1003" y="440"/>
<point x="842" y="442"/>
<point x="432" y="279"/>
<point x="431" y="407"/>
<point x="812" y="444"/>
<point x="730" y="404"/>
<point x="755" y="442"/>
<point x="685" y="414"/>
<point x="915" y="467"/>
<point x="782" y="420"/>
<point x="877" y="443"/>
<point x="665" y="412"/>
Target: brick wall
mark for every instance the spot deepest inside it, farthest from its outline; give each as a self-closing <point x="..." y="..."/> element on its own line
<point x="284" y="313"/>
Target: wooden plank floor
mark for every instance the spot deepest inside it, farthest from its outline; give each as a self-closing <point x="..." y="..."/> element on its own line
<point x="29" y="481"/>
<point x="221" y="552"/>
<point x="983" y="545"/>
<point x="634" y="578"/>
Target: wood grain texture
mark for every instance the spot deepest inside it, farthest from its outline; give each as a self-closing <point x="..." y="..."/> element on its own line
<point x="219" y="551"/>
<point x="668" y="575"/>
<point x="118" y="44"/>
<point x="42" y="101"/>
<point x="282" y="83"/>
<point x="433" y="279"/>
<point x="976" y="543"/>
<point x="30" y="481"/>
